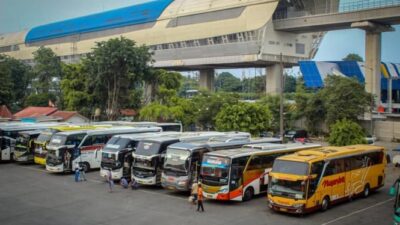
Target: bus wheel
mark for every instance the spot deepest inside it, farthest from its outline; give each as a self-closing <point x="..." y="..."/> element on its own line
<point x="85" y="167"/>
<point x="325" y="204"/>
<point x="248" y="194"/>
<point x="366" y="191"/>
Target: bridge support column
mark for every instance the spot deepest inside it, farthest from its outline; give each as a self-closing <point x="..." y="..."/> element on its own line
<point x="273" y="79"/>
<point x="207" y="79"/>
<point x="373" y="64"/>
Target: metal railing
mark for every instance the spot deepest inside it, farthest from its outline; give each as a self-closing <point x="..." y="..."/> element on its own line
<point x="351" y="5"/>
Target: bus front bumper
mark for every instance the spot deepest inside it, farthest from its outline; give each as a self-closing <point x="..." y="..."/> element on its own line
<point x="145" y="181"/>
<point x="175" y="183"/>
<point x="115" y="174"/>
<point x="55" y="169"/>
<point x="40" y="161"/>
<point x="296" y="209"/>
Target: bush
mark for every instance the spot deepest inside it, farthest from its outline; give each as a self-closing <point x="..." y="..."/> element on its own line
<point x="346" y="132"/>
<point x="246" y="117"/>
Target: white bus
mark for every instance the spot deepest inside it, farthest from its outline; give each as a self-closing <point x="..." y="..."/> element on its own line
<point x="68" y="150"/>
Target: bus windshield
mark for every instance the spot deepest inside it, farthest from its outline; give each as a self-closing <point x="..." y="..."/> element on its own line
<point x="290" y="167"/>
<point x="116" y="144"/>
<point x="22" y="142"/>
<point x="177" y="159"/>
<point x="286" y="188"/>
<point x="148" y="148"/>
<point x="44" y="137"/>
<point x="215" y="170"/>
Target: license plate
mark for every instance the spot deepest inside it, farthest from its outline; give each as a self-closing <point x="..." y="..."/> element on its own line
<point x="283" y="210"/>
<point x="209" y="196"/>
<point x="140" y="182"/>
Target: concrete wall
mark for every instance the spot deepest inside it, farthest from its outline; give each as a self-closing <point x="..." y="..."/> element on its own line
<point x="386" y="130"/>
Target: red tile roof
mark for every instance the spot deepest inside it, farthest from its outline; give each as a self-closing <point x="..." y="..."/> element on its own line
<point x="32" y="111"/>
<point x="65" y="115"/>
<point x="5" y="112"/>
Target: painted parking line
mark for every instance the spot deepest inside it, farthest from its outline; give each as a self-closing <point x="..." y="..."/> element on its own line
<point x="358" y="211"/>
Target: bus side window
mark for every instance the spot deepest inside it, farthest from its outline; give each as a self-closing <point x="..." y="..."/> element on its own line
<point x="334" y="167"/>
<point x="255" y="163"/>
<point x="316" y="169"/>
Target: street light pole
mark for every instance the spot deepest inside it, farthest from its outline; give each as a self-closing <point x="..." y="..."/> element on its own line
<point x="281" y="100"/>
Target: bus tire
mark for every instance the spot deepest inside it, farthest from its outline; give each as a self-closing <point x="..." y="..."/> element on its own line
<point x="366" y="191"/>
<point x="248" y="194"/>
<point x="325" y="204"/>
<point x="85" y="167"/>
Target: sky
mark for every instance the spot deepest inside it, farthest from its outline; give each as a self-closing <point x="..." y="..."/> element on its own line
<point x="17" y="15"/>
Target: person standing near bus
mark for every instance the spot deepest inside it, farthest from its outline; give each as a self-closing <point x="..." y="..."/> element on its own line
<point x="110" y="181"/>
<point x="194" y="192"/>
<point x="200" y="198"/>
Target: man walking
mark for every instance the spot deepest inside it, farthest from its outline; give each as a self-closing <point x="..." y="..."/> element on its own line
<point x="200" y="198"/>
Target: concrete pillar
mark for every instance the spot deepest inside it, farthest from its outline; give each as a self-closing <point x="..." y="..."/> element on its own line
<point x="273" y="85"/>
<point x="373" y="64"/>
<point x="207" y="79"/>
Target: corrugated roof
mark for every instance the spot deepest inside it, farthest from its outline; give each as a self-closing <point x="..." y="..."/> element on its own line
<point x="33" y="111"/>
<point x="132" y="15"/>
<point x="65" y="115"/>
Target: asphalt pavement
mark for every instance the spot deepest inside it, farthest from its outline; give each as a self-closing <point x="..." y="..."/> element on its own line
<point x="30" y="195"/>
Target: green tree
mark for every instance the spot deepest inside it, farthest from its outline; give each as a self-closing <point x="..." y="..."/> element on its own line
<point x="353" y="57"/>
<point x="290" y="84"/>
<point x="315" y="113"/>
<point x="227" y="82"/>
<point x="345" y="98"/>
<point x="209" y="104"/>
<point x="6" y="90"/>
<point x="346" y="132"/>
<point x="41" y="99"/>
<point x="162" y="81"/>
<point x="74" y="88"/>
<point x="247" y="117"/>
<point x="254" y="84"/>
<point x="47" y="69"/>
<point x="272" y="102"/>
<point x="116" y="67"/>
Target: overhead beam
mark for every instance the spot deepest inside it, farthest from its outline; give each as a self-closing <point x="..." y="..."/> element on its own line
<point x="337" y="21"/>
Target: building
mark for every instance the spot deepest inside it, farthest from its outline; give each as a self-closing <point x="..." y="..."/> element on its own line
<point x="41" y="114"/>
<point x="184" y="35"/>
<point x="314" y="74"/>
<point x="5" y="114"/>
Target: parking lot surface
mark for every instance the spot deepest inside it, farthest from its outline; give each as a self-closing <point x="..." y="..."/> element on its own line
<point x="30" y="195"/>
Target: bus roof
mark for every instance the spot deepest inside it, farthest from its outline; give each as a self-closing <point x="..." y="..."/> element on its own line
<point x="26" y="127"/>
<point x="117" y="130"/>
<point x="329" y="152"/>
<point x="31" y="132"/>
<point x="248" y="150"/>
<point x="146" y="135"/>
<point x="224" y="141"/>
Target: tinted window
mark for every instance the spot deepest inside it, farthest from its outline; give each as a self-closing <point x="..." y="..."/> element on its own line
<point x="290" y="167"/>
<point x="334" y="167"/>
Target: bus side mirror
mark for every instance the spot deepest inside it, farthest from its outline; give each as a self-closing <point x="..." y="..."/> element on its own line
<point x="388" y="159"/>
<point x="392" y="191"/>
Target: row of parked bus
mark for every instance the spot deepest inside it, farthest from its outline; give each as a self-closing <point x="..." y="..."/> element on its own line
<point x="296" y="177"/>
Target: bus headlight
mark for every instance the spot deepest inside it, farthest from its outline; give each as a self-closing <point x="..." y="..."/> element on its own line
<point x="297" y="206"/>
<point x="224" y="190"/>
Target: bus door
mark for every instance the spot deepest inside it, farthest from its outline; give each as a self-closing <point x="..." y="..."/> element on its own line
<point x="314" y="192"/>
<point x="237" y="177"/>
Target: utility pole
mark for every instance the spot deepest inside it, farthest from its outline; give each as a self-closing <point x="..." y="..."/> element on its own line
<point x="281" y="100"/>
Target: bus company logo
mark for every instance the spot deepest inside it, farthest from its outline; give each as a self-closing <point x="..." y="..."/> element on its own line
<point x="331" y="183"/>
